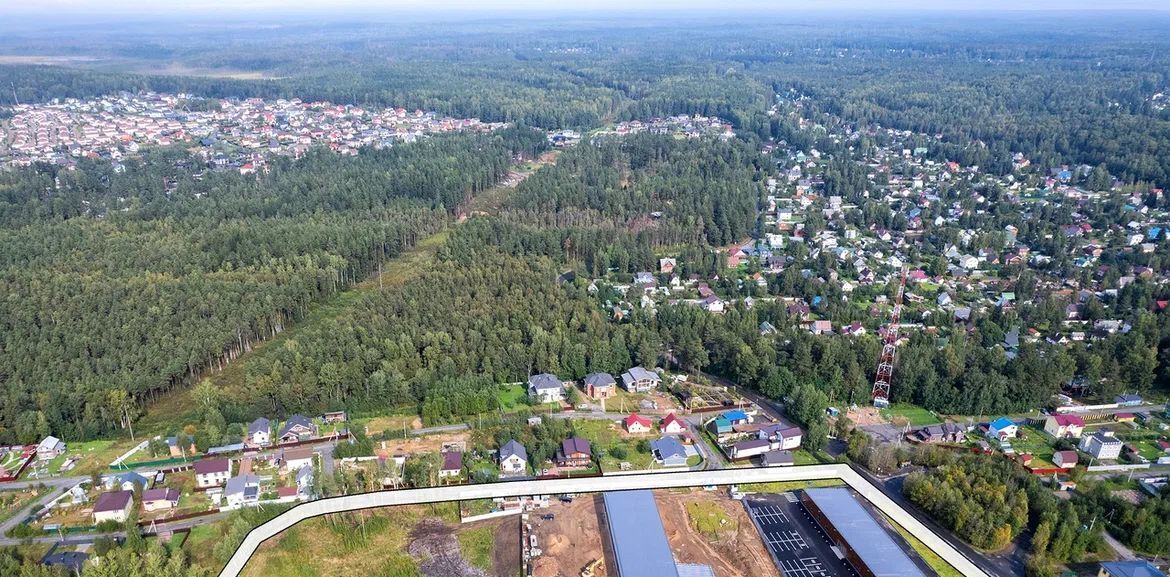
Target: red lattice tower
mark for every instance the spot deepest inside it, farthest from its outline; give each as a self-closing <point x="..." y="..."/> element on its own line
<point x="885" y="369"/>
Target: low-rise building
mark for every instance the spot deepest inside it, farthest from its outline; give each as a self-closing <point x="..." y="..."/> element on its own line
<point x="636" y="424"/>
<point x="1140" y="568"/>
<point x="513" y="459"/>
<point x="212" y="472"/>
<point x="113" y="506"/>
<point x="1101" y="445"/>
<point x="1064" y="426"/>
<point x="546" y="388"/>
<point x="640" y="380"/>
<point x="668" y="452"/>
<point x="600" y="385"/>
<point x="242" y="491"/>
<point x="260" y="432"/>
<point x="161" y="498"/>
<point x="50" y="448"/>
<point x="1065" y="459"/>
<point x="574" y="452"/>
<point x="452" y="464"/>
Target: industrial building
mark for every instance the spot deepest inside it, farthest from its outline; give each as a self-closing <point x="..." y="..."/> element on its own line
<point x="869" y="548"/>
<point x="639" y="540"/>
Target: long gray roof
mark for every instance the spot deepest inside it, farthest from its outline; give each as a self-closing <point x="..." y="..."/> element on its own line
<point x="544" y="381"/>
<point x="639" y="540"/>
<point x="876" y="548"/>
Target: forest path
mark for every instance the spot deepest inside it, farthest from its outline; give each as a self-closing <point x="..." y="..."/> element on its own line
<point x="175" y="409"/>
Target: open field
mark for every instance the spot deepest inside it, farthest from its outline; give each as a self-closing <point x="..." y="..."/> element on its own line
<point x="399" y="541"/>
<point x="708" y="528"/>
<point x="605" y="436"/>
<point x="900" y="413"/>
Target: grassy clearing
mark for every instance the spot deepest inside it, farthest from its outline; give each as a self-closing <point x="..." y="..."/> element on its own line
<point x="512" y="398"/>
<point x="1038" y="443"/>
<point x="342" y="546"/>
<point x="606" y="436"/>
<point x="11" y="502"/>
<point x="477" y="546"/>
<point x="937" y="563"/>
<point x="710" y="519"/>
<point x="917" y="416"/>
<point x="786" y="486"/>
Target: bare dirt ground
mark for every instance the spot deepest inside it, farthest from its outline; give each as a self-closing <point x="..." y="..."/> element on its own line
<point x="738" y="553"/>
<point x="428" y="443"/>
<point x="571" y="540"/>
<point x="506" y="553"/>
<point x="433" y="544"/>
<point x="866" y="416"/>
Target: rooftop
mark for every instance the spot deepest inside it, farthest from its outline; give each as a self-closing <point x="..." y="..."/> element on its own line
<point x="639" y="540"/>
<point x="876" y="548"/>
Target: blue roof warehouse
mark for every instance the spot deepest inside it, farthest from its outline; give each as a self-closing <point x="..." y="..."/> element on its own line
<point x="639" y="539"/>
<point x="869" y="548"/>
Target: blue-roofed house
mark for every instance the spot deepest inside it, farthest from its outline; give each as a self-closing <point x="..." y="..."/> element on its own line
<point x="669" y="452"/>
<point x="1002" y="428"/>
<point x="1139" y="568"/>
<point x="719" y="426"/>
<point x="736" y="417"/>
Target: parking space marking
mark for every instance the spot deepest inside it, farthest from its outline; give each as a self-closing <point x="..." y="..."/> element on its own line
<point x="787" y="541"/>
<point x="803" y="567"/>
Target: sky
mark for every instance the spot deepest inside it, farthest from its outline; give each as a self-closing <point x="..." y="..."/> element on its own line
<point x="341" y="7"/>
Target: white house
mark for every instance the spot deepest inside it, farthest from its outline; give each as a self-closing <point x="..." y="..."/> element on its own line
<point x="513" y="459"/>
<point x="260" y="432"/>
<point x="212" y="472"/>
<point x="640" y="380"/>
<point x="242" y="490"/>
<point x="50" y="448"/>
<point x="113" y="506"/>
<point x="546" y="388"/>
<point x="1002" y="429"/>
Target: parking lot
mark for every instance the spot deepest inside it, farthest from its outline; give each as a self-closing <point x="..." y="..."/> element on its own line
<point x="799" y="548"/>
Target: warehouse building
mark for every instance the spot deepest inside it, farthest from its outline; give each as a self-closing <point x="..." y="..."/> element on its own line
<point x="868" y="547"/>
<point x="639" y="539"/>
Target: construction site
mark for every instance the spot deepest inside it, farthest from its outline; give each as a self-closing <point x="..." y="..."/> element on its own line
<point x="703" y="533"/>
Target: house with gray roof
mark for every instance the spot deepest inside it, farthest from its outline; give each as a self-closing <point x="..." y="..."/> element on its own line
<point x="260" y="432"/>
<point x="546" y="388"/>
<point x="242" y="490"/>
<point x="640" y="380"/>
<point x="600" y="385"/>
<point x="513" y="459"/>
<point x="669" y="452"/>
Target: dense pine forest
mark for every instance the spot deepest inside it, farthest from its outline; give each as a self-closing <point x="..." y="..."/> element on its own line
<point x="122" y="285"/>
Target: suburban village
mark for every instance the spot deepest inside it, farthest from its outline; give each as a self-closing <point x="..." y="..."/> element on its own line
<point x="651" y="419"/>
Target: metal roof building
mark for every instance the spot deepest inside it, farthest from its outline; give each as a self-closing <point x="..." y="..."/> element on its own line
<point x="870" y="549"/>
<point x="638" y="538"/>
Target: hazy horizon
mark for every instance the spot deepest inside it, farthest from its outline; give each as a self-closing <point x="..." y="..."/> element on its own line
<point x="75" y="8"/>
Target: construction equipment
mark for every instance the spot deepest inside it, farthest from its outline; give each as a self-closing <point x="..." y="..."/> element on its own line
<point x="591" y="568"/>
<point x="885" y="370"/>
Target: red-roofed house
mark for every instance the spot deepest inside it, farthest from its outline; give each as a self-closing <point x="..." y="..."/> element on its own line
<point x="1065" y="459"/>
<point x="1064" y="426"/>
<point x="636" y="424"/>
<point x="672" y="425"/>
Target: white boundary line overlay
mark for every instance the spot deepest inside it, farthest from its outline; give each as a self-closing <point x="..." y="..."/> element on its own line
<point x="721" y="477"/>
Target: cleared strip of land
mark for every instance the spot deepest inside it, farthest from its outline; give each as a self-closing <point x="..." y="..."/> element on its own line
<point x="588" y="485"/>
